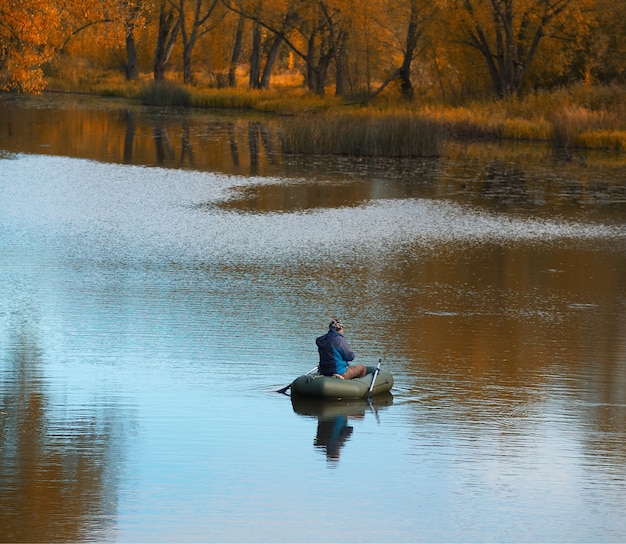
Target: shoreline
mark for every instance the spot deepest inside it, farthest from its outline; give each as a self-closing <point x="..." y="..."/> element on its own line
<point x="576" y="118"/>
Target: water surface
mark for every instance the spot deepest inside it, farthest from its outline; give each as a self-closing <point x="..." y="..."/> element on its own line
<point x="150" y="312"/>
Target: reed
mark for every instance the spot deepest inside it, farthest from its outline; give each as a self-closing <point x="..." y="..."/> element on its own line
<point x="476" y="121"/>
<point x="570" y="113"/>
<point x="65" y="77"/>
<point x="376" y="135"/>
<point x="538" y="129"/>
<point x="165" y="93"/>
<point x="613" y="140"/>
<point x="279" y="101"/>
<point x="570" y="122"/>
<point x="223" y="99"/>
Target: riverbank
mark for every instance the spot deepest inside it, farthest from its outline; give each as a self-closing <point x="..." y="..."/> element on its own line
<point x="577" y="117"/>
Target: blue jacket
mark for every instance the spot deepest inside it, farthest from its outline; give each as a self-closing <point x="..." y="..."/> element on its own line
<point x="334" y="352"/>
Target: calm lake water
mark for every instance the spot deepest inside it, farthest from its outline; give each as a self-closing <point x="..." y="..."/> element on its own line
<point x="163" y="273"/>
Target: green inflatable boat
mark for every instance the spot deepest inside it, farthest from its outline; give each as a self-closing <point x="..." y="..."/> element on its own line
<point x="327" y="387"/>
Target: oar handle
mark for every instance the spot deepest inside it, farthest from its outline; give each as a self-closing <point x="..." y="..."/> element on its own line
<point x="369" y="393"/>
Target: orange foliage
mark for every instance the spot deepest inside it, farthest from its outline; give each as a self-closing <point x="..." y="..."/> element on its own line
<point x="32" y="31"/>
<point x="456" y="47"/>
<point x="24" y="43"/>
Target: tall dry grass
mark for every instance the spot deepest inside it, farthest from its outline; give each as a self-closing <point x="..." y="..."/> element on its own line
<point x="364" y="134"/>
<point x="577" y="117"/>
<point x="165" y="93"/>
<point x="71" y="77"/>
<point x="282" y="101"/>
<point x="475" y="121"/>
<point x="576" y="126"/>
<point x="580" y="116"/>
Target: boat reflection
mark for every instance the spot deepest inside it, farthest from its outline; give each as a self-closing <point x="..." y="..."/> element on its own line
<point x="333" y="419"/>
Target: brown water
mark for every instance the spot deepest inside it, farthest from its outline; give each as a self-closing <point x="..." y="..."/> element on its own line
<point x="164" y="272"/>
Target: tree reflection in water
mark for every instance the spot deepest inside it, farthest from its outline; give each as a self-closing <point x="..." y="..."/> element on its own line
<point x="58" y="464"/>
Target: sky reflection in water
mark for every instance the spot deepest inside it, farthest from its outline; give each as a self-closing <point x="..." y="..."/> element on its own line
<point x="145" y="324"/>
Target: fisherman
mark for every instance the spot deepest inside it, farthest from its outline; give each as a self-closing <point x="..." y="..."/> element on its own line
<point x="336" y="353"/>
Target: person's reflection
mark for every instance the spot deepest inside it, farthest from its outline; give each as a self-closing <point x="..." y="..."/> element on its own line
<point x="332" y="434"/>
<point x="333" y="420"/>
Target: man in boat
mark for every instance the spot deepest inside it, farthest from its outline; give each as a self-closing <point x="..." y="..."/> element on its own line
<point x="336" y="353"/>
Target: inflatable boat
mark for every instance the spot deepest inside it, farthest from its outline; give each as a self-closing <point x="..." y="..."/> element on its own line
<point x="328" y="387"/>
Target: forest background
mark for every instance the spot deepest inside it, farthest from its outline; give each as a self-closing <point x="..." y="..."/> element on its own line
<point x="523" y="69"/>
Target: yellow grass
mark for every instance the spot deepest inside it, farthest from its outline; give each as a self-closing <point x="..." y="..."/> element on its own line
<point x="603" y="139"/>
<point x="364" y="133"/>
<point x="527" y="129"/>
<point x="286" y="101"/>
<point x="579" y="116"/>
<point x="475" y="121"/>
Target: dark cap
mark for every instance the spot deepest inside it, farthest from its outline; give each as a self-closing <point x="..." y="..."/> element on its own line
<point x="335" y="324"/>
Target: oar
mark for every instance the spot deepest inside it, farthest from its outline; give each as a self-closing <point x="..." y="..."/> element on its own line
<point x="369" y="393"/>
<point x="284" y="389"/>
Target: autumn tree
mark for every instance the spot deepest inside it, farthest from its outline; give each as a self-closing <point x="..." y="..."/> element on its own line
<point x="270" y="41"/>
<point x="195" y="19"/>
<point x="369" y="53"/>
<point x="508" y="33"/>
<point x="387" y="38"/>
<point x="104" y="22"/>
<point x="318" y="31"/>
<point x="600" y="53"/>
<point x="315" y="31"/>
<point x="412" y="36"/>
<point x="401" y="25"/>
<point x="166" y="35"/>
<point x="32" y="32"/>
<point x="24" y="46"/>
<point x="457" y="46"/>
<point x="272" y="22"/>
<point x="134" y="13"/>
<point x="342" y="21"/>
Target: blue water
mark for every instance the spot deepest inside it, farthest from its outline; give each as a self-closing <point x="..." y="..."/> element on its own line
<point x="145" y="327"/>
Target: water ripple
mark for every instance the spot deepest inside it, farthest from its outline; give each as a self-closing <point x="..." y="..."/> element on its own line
<point x="164" y="210"/>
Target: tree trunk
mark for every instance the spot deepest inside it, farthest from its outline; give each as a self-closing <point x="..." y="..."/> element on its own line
<point x="187" y="73"/>
<point x="341" y="67"/>
<point x="132" y="72"/>
<point x="412" y="35"/>
<point x="166" y="37"/>
<point x="310" y="64"/>
<point x="255" y="58"/>
<point x="317" y="61"/>
<point x="234" y="59"/>
<point x="272" y="56"/>
<point x="322" y="75"/>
